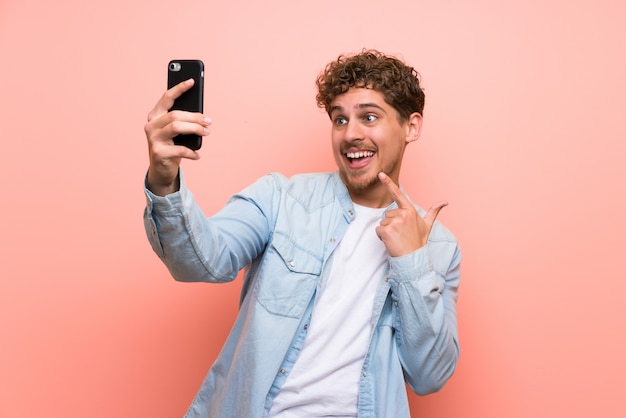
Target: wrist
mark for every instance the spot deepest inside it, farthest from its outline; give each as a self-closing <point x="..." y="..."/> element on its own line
<point x="160" y="186"/>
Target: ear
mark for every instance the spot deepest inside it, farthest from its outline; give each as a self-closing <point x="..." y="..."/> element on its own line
<point x="414" y="127"/>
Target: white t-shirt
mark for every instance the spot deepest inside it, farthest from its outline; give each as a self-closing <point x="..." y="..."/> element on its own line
<point x="325" y="378"/>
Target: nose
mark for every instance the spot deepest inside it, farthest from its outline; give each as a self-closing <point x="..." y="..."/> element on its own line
<point x="353" y="130"/>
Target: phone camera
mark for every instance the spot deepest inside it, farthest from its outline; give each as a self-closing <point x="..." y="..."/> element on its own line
<point x="174" y="66"/>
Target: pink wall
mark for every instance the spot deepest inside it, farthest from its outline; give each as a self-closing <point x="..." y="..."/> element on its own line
<point x="524" y="134"/>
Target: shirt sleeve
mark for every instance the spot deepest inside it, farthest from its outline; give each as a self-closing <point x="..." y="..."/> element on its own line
<point x="195" y="247"/>
<point x="424" y="287"/>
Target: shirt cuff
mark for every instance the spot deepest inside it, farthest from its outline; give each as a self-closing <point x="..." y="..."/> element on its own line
<point x="411" y="266"/>
<point x="165" y="204"/>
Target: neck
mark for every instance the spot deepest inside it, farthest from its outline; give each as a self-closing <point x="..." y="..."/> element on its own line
<point x="375" y="197"/>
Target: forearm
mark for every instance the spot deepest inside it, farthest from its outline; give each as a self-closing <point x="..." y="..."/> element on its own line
<point x="424" y="291"/>
<point x="185" y="241"/>
<point x="197" y="248"/>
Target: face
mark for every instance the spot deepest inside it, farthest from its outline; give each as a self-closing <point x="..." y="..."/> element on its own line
<point x="367" y="138"/>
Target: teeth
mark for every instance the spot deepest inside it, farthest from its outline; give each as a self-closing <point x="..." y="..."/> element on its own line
<point x="360" y="154"/>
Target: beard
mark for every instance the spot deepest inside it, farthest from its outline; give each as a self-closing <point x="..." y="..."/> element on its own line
<point x="364" y="180"/>
<point x="359" y="183"/>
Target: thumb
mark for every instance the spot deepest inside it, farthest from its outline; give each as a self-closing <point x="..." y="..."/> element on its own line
<point x="432" y="213"/>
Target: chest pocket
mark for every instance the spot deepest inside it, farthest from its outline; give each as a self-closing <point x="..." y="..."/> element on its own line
<point x="287" y="277"/>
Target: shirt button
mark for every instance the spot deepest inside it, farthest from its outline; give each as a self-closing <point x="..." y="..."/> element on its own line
<point x="283" y="371"/>
<point x="386" y="279"/>
<point x="364" y="373"/>
<point x="395" y="303"/>
<point x="306" y="326"/>
<point x="292" y="263"/>
<point x="350" y="213"/>
<point x="332" y="240"/>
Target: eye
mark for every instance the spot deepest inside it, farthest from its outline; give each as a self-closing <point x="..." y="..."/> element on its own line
<point x="370" y="118"/>
<point x="340" y="120"/>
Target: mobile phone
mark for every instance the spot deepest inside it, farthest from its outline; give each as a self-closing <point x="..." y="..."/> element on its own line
<point x="192" y="100"/>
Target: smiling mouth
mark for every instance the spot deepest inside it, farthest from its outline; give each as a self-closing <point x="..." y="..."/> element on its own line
<point x="359" y="155"/>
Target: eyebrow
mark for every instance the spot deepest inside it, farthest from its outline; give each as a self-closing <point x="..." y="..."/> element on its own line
<point x="359" y="106"/>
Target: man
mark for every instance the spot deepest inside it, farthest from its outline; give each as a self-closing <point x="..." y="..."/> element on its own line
<point x="350" y="289"/>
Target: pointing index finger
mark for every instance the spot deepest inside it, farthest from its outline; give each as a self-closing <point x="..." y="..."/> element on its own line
<point x="395" y="191"/>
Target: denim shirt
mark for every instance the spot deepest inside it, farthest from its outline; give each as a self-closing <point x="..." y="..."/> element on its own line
<point x="283" y="232"/>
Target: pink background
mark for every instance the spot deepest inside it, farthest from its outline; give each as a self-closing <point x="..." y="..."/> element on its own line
<point x="524" y="135"/>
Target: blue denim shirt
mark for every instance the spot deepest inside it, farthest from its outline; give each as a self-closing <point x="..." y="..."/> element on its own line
<point x="283" y="232"/>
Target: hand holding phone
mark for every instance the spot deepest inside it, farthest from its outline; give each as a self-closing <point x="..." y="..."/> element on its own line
<point x="192" y="100"/>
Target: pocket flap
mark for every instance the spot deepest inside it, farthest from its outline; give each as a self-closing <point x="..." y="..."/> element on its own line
<point x="296" y="258"/>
